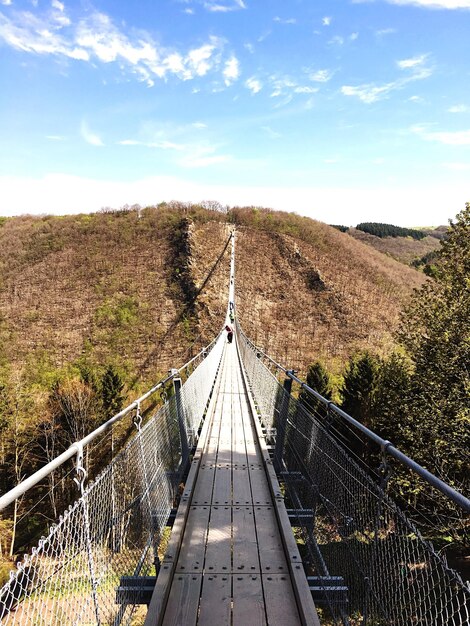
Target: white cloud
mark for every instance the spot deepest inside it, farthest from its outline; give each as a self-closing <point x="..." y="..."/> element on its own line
<point x="96" y="37"/>
<point x="370" y="92"/>
<point x="270" y="132"/>
<point x="200" y="60"/>
<point x="321" y="76"/>
<point x="434" y="4"/>
<point x="301" y="89"/>
<point x="450" y="138"/>
<point x="284" y="88"/>
<point x="326" y="21"/>
<point x="457" y="167"/>
<point x="231" y="70"/>
<point x="354" y="36"/>
<point x="6" y="3"/>
<point x="39" y="34"/>
<point x="99" y="35"/>
<point x="280" y="20"/>
<point x="413" y="62"/>
<point x="89" y="136"/>
<point x="385" y="31"/>
<point x="167" y="145"/>
<point x="337" y="40"/>
<point x="459" y="108"/>
<point x="161" y="145"/>
<point x="253" y="84"/>
<point x="281" y="86"/>
<point x="224" y="7"/>
<point x="263" y="36"/>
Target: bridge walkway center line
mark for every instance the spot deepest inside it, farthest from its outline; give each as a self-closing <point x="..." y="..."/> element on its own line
<point x="232" y="558"/>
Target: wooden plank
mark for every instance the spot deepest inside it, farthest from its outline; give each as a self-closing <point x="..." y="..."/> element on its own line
<point x="281" y="607"/>
<point x="191" y="556"/>
<point x="259" y="486"/>
<point x="216" y="600"/>
<point x="239" y="458"/>
<point x="245" y="543"/>
<point x="210" y="450"/>
<point x="224" y="449"/>
<point x="183" y="603"/>
<point x="222" y="493"/>
<point x="271" y="549"/>
<point x="218" y="557"/>
<point x="160" y="595"/>
<point x="241" y="486"/>
<point x="205" y="481"/>
<point x="248" y="601"/>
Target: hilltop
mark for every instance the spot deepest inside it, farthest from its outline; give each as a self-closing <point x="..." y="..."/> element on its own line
<point x="414" y="247"/>
<point x="146" y="288"/>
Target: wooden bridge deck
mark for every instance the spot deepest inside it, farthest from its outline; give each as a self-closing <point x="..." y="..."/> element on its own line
<point x="232" y="558"/>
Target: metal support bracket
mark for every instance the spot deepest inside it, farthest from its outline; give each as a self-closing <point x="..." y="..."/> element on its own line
<point x="177" y="384"/>
<point x="282" y="422"/>
<point x="80" y="478"/>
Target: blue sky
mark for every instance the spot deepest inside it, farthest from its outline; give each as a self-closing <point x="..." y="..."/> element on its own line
<point x="343" y="110"/>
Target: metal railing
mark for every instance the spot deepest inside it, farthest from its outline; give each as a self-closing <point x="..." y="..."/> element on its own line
<point x="117" y="525"/>
<point x="369" y="561"/>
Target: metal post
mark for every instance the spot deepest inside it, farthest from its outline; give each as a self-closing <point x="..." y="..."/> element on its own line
<point x="281" y="423"/>
<point x="180" y="414"/>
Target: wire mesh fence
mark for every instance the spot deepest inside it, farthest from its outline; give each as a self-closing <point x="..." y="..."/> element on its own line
<point x="367" y="560"/>
<point x="116" y="527"/>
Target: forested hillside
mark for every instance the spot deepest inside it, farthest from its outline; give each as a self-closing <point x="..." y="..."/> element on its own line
<point x="407" y="248"/>
<point x="96" y="307"/>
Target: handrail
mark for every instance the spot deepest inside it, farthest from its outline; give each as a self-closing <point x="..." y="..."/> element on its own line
<point x="386" y="446"/>
<point x="77" y="447"/>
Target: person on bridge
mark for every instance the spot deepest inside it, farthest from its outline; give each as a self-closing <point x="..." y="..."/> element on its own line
<point x="229" y="333"/>
<point x="232" y="317"/>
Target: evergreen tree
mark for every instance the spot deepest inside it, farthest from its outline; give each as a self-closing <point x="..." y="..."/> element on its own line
<point x="389" y="408"/>
<point x="436" y="332"/>
<point x="319" y="380"/>
<point x="112" y="397"/>
<point x="359" y="387"/>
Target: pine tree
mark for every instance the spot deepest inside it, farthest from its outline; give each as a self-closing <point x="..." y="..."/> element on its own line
<point x="112" y="397"/>
<point x="435" y="330"/>
<point x="319" y="380"/>
<point x="359" y="387"/>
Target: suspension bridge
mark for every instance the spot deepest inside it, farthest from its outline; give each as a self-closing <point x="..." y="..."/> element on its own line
<point x="233" y="504"/>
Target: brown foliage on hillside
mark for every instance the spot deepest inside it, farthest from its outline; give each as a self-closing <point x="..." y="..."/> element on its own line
<point x="404" y="249"/>
<point x="306" y="291"/>
<point x="145" y="288"/>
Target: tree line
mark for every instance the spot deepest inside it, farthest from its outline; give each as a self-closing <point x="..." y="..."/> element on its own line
<point x="38" y="421"/>
<point x="389" y="230"/>
<point x="419" y="396"/>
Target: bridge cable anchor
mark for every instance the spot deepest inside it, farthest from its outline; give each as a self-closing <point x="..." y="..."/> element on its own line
<point x="138" y="417"/>
<point x="384" y="469"/>
<point x="80" y="470"/>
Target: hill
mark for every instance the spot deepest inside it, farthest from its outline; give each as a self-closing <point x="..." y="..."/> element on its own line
<point x="122" y="287"/>
<point x="404" y="249"/>
<point x="307" y="291"/>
